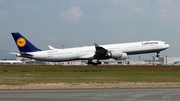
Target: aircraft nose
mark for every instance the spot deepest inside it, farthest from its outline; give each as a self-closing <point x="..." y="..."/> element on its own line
<point x="167" y="45"/>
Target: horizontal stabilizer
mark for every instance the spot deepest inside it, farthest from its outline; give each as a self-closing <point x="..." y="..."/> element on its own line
<point x="50" y="47"/>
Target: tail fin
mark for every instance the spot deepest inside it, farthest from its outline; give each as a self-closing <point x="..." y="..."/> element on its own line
<point x="23" y="44"/>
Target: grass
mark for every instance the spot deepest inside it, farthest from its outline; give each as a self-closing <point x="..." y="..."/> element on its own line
<point x="29" y="74"/>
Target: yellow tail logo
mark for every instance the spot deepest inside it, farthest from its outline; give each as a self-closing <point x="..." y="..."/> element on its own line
<point x="21" y="42"/>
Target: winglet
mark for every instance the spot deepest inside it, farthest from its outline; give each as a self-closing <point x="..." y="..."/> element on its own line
<point x="96" y="45"/>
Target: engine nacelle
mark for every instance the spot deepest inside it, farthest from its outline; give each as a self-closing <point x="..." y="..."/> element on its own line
<point x="114" y="54"/>
<point x="118" y="55"/>
<point x="124" y="56"/>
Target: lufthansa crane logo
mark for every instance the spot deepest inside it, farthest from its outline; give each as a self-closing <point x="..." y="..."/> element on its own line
<point x="21" y="42"/>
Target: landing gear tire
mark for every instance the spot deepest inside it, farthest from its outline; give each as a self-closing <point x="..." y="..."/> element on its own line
<point x="90" y="62"/>
<point x="158" y="56"/>
<point x="98" y="62"/>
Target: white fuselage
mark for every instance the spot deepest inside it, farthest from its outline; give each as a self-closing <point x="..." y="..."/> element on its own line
<point x="11" y="62"/>
<point x="87" y="52"/>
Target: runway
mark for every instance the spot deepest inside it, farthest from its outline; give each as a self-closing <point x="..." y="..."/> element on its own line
<point x="154" y="94"/>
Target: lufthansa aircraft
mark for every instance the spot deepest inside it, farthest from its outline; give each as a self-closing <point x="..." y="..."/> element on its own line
<point x="97" y="52"/>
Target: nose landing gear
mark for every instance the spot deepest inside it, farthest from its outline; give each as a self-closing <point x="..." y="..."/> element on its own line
<point x="158" y="56"/>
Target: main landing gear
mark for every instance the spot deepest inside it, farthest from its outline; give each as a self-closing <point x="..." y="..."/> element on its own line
<point x="90" y="62"/>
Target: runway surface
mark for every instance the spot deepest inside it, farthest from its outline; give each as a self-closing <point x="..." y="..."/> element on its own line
<point x="162" y="94"/>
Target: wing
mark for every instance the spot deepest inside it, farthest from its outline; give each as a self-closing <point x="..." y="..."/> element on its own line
<point x="52" y="48"/>
<point x="100" y="53"/>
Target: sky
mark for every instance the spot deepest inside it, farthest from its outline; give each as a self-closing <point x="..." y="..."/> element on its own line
<point x="75" y="23"/>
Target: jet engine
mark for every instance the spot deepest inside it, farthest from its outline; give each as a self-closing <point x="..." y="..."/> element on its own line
<point x="118" y="55"/>
<point x="123" y="57"/>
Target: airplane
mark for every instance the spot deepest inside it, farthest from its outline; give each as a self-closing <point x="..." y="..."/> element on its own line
<point x="10" y="62"/>
<point x="119" y="51"/>
<point x="5" y="61"/>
